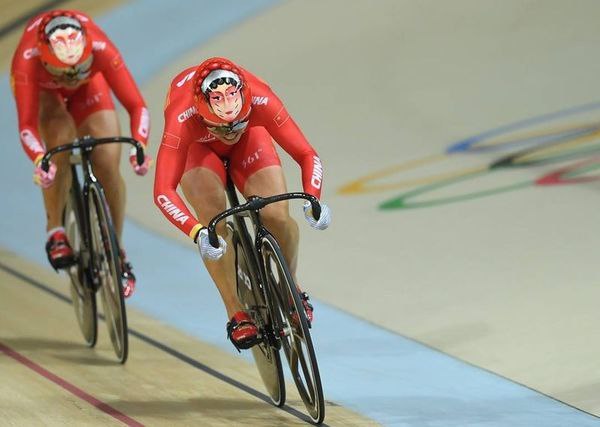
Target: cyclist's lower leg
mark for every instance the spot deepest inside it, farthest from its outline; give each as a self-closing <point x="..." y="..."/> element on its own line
<point x="285" y="230"/>
<point x="204" y="190"/>
<point x="241" y="329"/>
<point x="223" y="274"/>
<point x="276" y="217"/>
<point x="115" y="191"/>
<point x="55" y="196"/>
<point x="106" y="162"/>
<point x="57" y="127"/>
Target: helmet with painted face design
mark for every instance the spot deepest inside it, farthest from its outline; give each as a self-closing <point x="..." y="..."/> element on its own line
<point x="222" y="96"/>
<point x="65" y="49"/>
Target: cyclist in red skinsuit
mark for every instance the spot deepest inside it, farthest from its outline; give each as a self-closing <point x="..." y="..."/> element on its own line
<point x="220" y="111"/>
<point x="62" y="74"/>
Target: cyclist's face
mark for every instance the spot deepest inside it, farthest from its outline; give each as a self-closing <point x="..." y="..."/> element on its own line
<point x="226" y="101"/>
<point x="67" y="44"/>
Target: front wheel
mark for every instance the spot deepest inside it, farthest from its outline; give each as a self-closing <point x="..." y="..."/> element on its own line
<point x="83" y="295"/>
<point x="107" y="270"/>
<point x="292" y="326"/>
<point x="266" y="354"/>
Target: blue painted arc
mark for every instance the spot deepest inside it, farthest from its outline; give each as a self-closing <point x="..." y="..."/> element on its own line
<point x="469" y="143"/>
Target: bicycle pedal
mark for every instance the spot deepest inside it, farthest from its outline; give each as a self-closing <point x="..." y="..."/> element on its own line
<point x="286" y="331"/>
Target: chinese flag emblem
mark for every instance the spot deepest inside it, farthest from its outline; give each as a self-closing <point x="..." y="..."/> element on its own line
<point x="281" y="117"/>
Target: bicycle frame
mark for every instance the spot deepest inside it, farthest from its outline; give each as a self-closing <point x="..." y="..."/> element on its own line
<point x="251" y="208"/>
<point x="273" y="301"/>
<point x="98" y="246"/>
<point x="80" y="151"/>
<point x="81" y="197"/>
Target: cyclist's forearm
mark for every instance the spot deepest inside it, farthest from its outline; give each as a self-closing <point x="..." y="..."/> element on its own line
<point x="140" y="124"/>
<point x="289" y="136"/>
<point x="30" y="141"/>
<point x="26" y="98"/>
<point x="127" y="92"/>
<point x="312" y="175"/>
<point x="175" y="210"/>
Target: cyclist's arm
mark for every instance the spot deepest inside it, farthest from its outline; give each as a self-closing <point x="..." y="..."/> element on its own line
<point x="23" y="80"/>
<point x="170" y="164"/>
<point x="109" y="61"/>
<point x="288" y="135"/>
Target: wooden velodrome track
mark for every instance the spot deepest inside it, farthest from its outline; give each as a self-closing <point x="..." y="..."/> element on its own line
<point x="49" y="377"/>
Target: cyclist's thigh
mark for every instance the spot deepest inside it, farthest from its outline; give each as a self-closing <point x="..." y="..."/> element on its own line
<point x="91" y="98"/>
<point x="256" y="169"/>
<point x="254" y="152"/>
<point x="57" y="127"/>
<point x="101" y="124"/>
<point x="94" y="113"/>
<point x="203" y="182"/>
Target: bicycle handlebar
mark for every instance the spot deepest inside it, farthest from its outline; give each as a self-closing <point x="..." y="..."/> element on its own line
<point x="256" y="203"/>
<point x="89" y="142"/>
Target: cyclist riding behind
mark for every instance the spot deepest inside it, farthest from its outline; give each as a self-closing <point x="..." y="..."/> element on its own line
<point x="62" y="74"/>
<point x="218" y="111"/>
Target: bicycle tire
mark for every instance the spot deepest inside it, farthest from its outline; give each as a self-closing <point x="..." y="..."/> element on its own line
<point x="83" y="295"/>
<point x="266" y="353"/>
<point x="107" y="268"/>
<point x="293" y="328"/>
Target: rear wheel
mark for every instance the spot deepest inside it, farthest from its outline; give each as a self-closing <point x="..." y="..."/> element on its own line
<point x="293" y="328"/>
<point x="266" y="352"/>
<point x="107" y="270"/>
<point x="83" y="295"/>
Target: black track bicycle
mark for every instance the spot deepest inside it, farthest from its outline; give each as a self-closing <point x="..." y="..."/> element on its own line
<point x="269" y="294"/>
<point x="89" y="227"/>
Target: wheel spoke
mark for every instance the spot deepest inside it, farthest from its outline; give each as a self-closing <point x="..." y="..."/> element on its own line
<point x="83" y="297"/>
<point x="266" y="356"/>
<point x="107" y="270"/>
<point x="295" y="336"/>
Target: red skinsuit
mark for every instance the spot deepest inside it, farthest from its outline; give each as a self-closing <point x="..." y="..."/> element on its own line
<point x="186" y="144"/>
<point x="29" y="78"/>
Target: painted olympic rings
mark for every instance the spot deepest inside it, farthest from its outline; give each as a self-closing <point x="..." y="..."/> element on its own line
<point x="547" y="143"/>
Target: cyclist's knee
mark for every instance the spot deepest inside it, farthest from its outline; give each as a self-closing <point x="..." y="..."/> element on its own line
<point x="101" y="124"/>
<point x="277" y="217"/>
<point x="57" y="129"/>
<point x="208" y="210"/>
<point x="107" y="169"/>
<point x="61" y="161"/>
<point x="207" y="202"/>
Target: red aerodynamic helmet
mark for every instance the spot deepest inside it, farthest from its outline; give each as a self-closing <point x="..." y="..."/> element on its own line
<point x="63" y="41"/>
<point x="210" y="74"/>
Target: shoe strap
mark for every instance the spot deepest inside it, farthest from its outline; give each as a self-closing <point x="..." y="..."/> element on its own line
<point x="238" y="320"/>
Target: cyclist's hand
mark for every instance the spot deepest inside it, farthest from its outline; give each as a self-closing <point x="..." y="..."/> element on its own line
<point x="144" y="168"/>
<point x="44" y="179"/>
<point x="324" y="219"/>
<point x="206" y="249"/>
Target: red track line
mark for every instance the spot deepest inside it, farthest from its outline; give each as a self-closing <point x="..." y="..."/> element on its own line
<point x="104" y="407"/>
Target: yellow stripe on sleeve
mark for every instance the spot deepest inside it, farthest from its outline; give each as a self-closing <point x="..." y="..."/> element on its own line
<point x="195" y="230"/>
